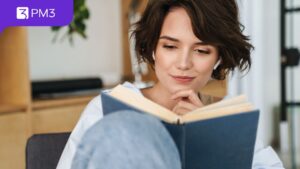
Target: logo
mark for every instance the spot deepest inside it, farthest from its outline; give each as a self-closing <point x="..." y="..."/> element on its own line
<point x="35" y="13"/>
<point x="22" y="13"/>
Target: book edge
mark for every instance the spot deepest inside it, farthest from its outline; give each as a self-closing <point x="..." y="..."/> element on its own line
<point x="210" y="114"/>
<point x="120" y="92"/>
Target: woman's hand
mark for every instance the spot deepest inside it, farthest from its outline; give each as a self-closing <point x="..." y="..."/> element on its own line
<point x="188" y="101"/>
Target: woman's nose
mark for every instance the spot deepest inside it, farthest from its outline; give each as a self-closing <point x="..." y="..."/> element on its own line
<point x="184" y="61"/>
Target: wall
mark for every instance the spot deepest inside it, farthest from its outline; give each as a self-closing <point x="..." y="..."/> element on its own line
<point x="262" y="27"/>
<point x="99" y="55"/>
<point x="271" y="64"/>
<point x="262" y="83"/>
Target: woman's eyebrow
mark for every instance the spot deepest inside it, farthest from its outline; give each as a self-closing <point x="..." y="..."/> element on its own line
<point x="169" y="38"/>
<point x="201" y="43"/>
<point x="177" y="40"/>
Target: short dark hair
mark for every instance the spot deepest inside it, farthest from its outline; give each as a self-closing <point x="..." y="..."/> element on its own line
<point x="216" y="22"/>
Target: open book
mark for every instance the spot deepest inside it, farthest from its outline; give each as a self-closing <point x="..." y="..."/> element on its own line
<point x="226" y="107"/>
<point x="220" y="135"/>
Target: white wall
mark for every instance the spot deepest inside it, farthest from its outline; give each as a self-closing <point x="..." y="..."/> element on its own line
<point x="262" y="83"/>
<point x="271" y="63"/>
<point x="99" y="55"/>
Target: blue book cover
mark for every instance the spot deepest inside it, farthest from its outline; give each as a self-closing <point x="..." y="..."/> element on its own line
<point x="225" y="142"/>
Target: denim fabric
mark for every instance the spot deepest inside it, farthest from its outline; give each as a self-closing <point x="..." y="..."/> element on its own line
<point x="127" y="140"/>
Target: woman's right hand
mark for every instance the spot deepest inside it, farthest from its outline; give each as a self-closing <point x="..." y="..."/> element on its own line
<point x="188" y="101"/>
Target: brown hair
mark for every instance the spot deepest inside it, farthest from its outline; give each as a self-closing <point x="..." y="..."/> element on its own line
<point x="215" y="22"/>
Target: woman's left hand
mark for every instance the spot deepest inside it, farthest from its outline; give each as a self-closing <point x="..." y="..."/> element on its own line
<point x="188" y="101"/>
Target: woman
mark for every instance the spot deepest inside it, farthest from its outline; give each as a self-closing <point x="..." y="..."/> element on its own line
<point x="187" y="42"/>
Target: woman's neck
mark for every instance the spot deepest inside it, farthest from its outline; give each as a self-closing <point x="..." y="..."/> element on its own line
<point x="159" y="95"/>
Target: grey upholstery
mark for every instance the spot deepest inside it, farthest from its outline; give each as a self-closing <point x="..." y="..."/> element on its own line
<point x="43" y="150"/>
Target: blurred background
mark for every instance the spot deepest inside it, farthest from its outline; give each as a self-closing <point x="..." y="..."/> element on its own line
<point x="47" y="76"/>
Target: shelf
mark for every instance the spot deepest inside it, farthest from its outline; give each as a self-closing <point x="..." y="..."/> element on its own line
<point x="48" y="103"/>
<point x="8" y="108"/>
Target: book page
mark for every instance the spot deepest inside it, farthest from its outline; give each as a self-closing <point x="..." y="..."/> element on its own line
<point x="227" y="102"/>
<point x="217" y="112"/>
<point x="140" y="102"/>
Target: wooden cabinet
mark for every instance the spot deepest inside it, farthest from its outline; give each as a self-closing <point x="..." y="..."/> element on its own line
<point x="20" y="116"/>
<point x="14" y="77"/>
<point x="14" y="97"/>
<point x="58" y="115"/>
<point x="13" y="137"/>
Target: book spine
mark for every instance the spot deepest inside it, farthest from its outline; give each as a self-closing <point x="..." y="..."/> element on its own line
<point x="183" y="145"/>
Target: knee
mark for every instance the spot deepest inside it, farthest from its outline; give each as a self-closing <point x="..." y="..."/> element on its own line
<point x="130" y="120"/>
<point x="124" y="121"/>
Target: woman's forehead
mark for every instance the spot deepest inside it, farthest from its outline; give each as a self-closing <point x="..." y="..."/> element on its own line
<point x="177" y="24"/>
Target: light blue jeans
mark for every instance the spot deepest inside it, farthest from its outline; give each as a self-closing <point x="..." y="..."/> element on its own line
<point x="127" y="140"/>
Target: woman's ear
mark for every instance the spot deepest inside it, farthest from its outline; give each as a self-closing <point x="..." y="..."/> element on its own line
<point x="217" y="64"/>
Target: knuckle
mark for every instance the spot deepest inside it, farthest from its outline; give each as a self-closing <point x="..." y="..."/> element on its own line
<point x="180" y="104"/>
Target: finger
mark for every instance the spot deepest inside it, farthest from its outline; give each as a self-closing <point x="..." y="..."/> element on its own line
<point x="183" y="107"/>
<point x="190" y="94"/>
<point x="180" y="110"/>
<point x="187" y="105"/>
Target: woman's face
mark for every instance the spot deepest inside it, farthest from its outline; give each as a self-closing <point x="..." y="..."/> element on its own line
<point x="182" y="61"/>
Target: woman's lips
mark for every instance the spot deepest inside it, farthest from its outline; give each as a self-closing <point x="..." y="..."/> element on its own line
<point x="183" y="79"/>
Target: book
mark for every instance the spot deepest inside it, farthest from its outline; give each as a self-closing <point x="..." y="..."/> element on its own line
<point x="217" y="136"/>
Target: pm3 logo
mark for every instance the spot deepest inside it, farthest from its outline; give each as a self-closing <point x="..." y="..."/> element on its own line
<point x="25" y="13"/>
<point x="22" y="12"/>
<point x="36" y="13"/>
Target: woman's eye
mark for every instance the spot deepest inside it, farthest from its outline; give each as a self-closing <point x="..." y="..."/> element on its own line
<point x="201" y="51"/>
<point x="169" y="46"/>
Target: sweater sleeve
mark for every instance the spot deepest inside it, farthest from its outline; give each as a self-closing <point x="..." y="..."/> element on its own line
<point x="91" y="114"/>
<point x="265" y="158"/>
